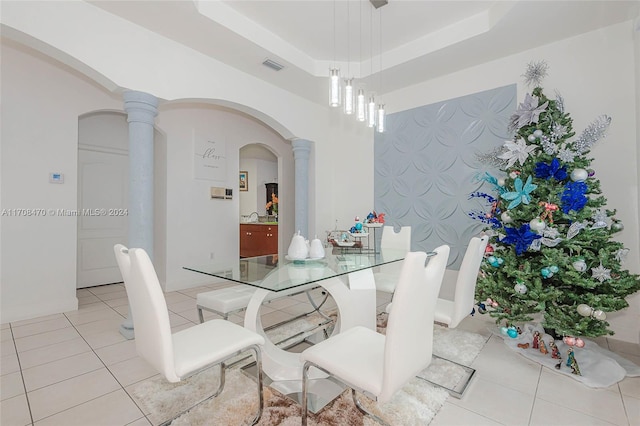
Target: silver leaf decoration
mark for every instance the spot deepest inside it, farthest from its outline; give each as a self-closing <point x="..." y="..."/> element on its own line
<point x="574" y="229"/>
<point x="550" y="242"/>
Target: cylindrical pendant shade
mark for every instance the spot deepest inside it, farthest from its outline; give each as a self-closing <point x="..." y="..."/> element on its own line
<point x="381" y="117"/>
<point x="371" y="113"/>
<point x="361" y="108"/>
<point x="348" y="97"/>
<point x="334" y="94"/>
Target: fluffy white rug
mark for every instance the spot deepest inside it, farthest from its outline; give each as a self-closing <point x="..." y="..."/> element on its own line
<point x="416" y="404"/>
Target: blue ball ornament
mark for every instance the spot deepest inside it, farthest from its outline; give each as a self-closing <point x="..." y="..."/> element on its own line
<point x="545" y="272"/>
<point x="495" y="261"/>
<point x="359" y="226"/>
<point x="353" y="230"/>
<point x="512" y="332"/>
<point x="554" y="269"/>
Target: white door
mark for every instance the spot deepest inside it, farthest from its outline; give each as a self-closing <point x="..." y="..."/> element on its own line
<point x="103" y="188"/>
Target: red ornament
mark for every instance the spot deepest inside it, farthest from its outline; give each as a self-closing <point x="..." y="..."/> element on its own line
<point x="579" y="343"/>
<point x="568" y="340"/>
<point x="488" y="251"/>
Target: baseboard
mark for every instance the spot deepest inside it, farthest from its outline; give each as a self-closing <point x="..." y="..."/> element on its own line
<point x="29" y="311"/>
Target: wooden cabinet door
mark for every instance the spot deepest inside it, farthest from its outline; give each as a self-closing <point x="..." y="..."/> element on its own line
<point x="258" y="240"/>
<point x="271" y="240"/>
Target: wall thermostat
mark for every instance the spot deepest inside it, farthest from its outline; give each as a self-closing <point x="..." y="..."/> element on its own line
<point x="56" y="177"/>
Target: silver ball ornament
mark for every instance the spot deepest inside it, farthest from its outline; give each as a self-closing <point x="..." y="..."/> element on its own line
<point x="617" y="226"/>
<point x="584" y="310"/>
<point x="579" y="175"/>
<point x="537" y="133"/>
<point x="520" y="288"/>
<point x="537" y="224"/>
<point x="531" y="138"/>
<point x="599" y="315"/>
<point x="580" y="265"/>
<point x="502" y="181"/>
<point x="506" y="218"/>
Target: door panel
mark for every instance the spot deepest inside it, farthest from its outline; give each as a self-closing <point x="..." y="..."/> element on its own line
<point x="102" y="216"/>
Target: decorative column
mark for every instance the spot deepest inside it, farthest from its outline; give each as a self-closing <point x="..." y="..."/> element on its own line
<point x="301" y="150"/>
<point x="141" y="109"/>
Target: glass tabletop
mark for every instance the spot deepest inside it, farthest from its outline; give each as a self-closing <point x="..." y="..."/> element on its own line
<point x="278" y="273"/>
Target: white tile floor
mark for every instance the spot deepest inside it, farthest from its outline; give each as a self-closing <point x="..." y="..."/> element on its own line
<point x="75" y="369"/>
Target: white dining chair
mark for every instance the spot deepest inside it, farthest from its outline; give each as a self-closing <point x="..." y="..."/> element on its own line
<point x="387" y="278"/>
<point x="379" y="365"/>
<point x="451" y="312"/>
<point x="180" y="355"/>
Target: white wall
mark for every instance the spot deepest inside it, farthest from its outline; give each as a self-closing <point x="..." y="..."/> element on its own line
<point x="596" y="73"/>
<point x="41" y="104"/>
<point x="198" y="226"/>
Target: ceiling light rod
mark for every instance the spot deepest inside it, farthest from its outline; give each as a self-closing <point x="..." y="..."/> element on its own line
<point x="334" y="73"/>
<point x="378" y="3"/>
<point x="348" y="82"/>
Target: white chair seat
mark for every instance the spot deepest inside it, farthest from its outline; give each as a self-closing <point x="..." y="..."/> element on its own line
<point x="198" y="347"/>
<point x="227" y="300"/>
<point x="347" y="361"/>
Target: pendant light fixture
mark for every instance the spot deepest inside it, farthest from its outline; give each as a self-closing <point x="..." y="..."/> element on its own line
<point x="371" y="112"/>
<point x="371" y="106"/>
<point x="334" y="72"/>
<point x="381" y="115"/>
<point x="361" y="107"/>
<point x="349" y="106"/>
<point x="334" y="95"/>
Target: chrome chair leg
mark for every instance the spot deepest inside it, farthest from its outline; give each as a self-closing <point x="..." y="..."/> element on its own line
<point x="223" y="370"/>
<point x="305" y="389"/>
<point x="256" y="350"/>
<point x="365" y="411"/>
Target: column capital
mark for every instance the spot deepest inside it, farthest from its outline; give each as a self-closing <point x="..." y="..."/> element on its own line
<point x="301" y="148"/>
<point x="140" y="106"/>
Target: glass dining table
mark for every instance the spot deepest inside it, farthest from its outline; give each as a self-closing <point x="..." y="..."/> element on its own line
<point x="347" y="277"/>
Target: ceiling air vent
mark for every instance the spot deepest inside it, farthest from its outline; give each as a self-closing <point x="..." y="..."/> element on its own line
<point x="272" y="64"/>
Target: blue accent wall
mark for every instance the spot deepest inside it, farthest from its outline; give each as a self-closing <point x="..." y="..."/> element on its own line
<point x="425" y="164"/>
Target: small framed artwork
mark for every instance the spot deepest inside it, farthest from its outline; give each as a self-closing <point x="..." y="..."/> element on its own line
<point x="244" y="181"/>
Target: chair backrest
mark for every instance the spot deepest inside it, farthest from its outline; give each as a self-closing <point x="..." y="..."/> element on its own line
<point x="392" y="240"/>
<point x="467" y="277"/>
<point x="149" y="310"/>
<point x="409" y="337"/>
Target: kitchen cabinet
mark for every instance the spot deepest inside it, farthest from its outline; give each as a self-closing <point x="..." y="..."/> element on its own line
<point x="258" y="239"/>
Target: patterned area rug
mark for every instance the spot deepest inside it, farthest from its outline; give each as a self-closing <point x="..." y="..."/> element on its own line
<point x="416" y="404"/>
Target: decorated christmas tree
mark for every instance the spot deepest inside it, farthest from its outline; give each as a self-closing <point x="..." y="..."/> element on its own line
<point x="551" y="250"/>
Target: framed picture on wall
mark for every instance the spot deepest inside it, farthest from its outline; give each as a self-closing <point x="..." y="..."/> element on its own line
<point x="244" y="181"/>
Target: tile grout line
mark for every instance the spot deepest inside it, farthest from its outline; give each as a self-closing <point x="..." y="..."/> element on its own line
<point x="535" y="394"/>
<point x="24" y="386"/>
<point x="93" y="399"/>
